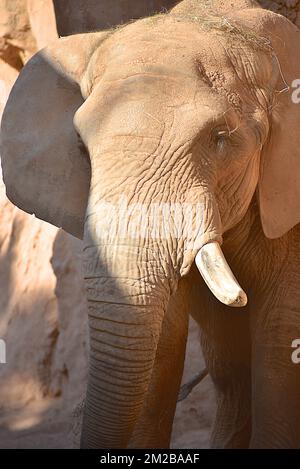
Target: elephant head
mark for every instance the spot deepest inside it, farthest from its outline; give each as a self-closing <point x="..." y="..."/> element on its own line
<point x="184" y="115"/>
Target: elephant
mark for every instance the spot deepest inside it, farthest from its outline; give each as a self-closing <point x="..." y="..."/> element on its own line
<point x="169" y="145"/>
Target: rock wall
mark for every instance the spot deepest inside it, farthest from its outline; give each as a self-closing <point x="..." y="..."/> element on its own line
<point x="26" y="301"/>
<point x="42" y="302"/>
<point x="76" y="16"/>
<point x="25" y="27"/>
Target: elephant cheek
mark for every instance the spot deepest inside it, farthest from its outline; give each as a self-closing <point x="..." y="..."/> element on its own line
<point x="234" y="201"/>
<point x="206" y="227"/>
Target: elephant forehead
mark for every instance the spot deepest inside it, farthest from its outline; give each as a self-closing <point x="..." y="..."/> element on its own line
<point x="182" y="50"/>
<point x="163" y="83"/>
<point x="179" y="47"/>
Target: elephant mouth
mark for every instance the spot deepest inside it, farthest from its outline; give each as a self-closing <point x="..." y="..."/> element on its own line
<point x="218" y="276"/>
<point x="202" y="240"/>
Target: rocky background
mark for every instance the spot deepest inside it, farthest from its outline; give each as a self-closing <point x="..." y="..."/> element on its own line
<point x="42" y="300"/>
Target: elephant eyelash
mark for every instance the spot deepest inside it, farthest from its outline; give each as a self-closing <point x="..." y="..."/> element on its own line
<point x="223" y="141"/>
<point x="222" y="137"/>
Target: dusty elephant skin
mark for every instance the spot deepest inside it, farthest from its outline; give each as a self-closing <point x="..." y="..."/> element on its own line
<point x="191" y="111"/>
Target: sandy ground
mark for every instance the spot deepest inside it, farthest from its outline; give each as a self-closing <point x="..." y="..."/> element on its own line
<point x="44" y="424"/>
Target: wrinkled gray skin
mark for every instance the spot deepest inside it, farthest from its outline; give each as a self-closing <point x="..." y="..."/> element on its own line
<point x="181" y="108"/>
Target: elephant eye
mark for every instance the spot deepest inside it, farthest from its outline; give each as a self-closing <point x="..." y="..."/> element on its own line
<point x="220" y="139"/>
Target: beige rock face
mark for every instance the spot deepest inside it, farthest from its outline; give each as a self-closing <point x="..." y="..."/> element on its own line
<point x="43" y="322"/>
<point x="25" y="27"/>
<point x="42" y="21"/>
<point x="42" y="301"/>
<point x="17" y="42"/>
<point x="8" y="76"/>
<point x="42" y="315"/>
<point x="36" y="263"/>
<point x="28" y="305"/>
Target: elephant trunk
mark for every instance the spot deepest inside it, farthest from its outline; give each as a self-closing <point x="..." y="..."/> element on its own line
<point x="126" y="307"/>
<point x="129" y="279"/>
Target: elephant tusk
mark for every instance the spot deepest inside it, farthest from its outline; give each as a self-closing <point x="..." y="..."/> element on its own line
<point x="218" y="276"/>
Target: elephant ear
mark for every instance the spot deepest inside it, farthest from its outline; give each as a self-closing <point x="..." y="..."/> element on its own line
<point x="279" y="184"/>
<point x="45" y="167"/>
